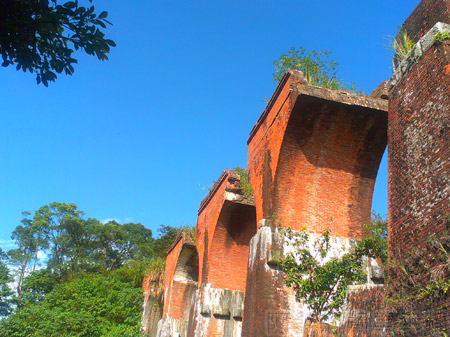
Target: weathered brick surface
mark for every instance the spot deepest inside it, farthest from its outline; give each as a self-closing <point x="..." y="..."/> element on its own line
<point x="364" y="314"/>
<point x="226" y="222"/>
<point x="268" y="306"/>
<point x="314" y="329"/>
<point x="180" y="299"/>
<point x="419" y="166"/>
<point x="229" y="250"/>
<point x="425" y="16"/>
<point x="216" y="312"/>
<point x="419" y="151"/>
<point x="171" y="262"/>
<point x="180" y="277"/>
<point x="153" y="288"/>
<point x="313" y="156"/>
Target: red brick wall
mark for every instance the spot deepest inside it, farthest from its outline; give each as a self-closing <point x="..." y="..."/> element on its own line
<point x="206" y="223"/>
<point x="180" y="299"/>
<point x="229" y="251"/>
<point x="365" y="313"/>
<point x="178" y="291"/>
<point x="265" y="142"/>
<point x="419" y="172"/>
<point x="419" y="151"/>
<point x="311" y="158"/>
<point x="223" y="232"/>
<point x="171" y="263"/>
<point x="327" y="167"/>
<point x="425" y="16"/>
<point x="268" y="303"/>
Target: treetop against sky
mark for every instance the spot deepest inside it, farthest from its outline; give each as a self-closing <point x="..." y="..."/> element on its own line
<point x="138" y="137"/>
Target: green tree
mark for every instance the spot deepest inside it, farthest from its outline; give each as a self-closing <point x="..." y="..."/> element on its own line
<point x="115" y="244"/>
<point x="66" y="235"/>
<point x="91" y="281"/>
<point x="5" y="291"/>
<point x="315" y="65"/>
<point x="319" y="279"/>
<point x="167" y="235"/>
<point x="29" y="240"/>
<point x="38" y="284"/>
<point x="77" y="245"/>
<point x="92" y="306"/>
<point x="374" y="241"/>
<point x="40" y="36"/>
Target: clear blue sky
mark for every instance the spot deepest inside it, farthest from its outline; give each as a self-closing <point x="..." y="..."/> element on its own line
<point x="135" y="138"/>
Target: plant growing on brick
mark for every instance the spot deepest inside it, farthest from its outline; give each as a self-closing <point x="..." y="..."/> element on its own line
<point x="441" y="37"/>
<point x="418" y="279"/>
<point x="401" y="45"/>
<point x="319" y="279"/>
<point x="315" y="65"/>
<point x="245" y="184"/>
<point x="374" y="241"/>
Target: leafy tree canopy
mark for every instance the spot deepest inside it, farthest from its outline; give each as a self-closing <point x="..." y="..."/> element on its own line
<point x="90" y="281"/>
<point x="95" y="305"/>
<point x="40" y="36"/>
<point x="5" y="291"/>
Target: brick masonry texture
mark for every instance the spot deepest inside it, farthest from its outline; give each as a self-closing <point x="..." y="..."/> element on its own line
<point x="179" y="283"/>
<point x="365" y="313"/>
<point x="226" y="223"/>
<point x="418" y="157"/>
<point x="419" y="144"/>
<point x="223" y="232"/>
<point x="313" y="156"/>
<point x="425" y="16"/>
<point x="270" y="309"/>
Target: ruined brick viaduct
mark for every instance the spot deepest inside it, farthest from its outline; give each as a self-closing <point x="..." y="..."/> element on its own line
<point x="313" y="156"/>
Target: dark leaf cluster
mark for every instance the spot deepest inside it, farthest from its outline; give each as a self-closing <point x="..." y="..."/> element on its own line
<point x="40" y="36"/>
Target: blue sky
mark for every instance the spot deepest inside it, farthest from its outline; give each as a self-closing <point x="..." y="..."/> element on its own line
<point x="137" y="138"/>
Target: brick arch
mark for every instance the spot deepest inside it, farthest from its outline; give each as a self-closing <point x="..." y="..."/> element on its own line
<point x="328" y="162"/>
<point x="314" y="155"/>
<point x="180" y="277"/>
<point x="228" y="254"/>
<point x="187" y="265"/>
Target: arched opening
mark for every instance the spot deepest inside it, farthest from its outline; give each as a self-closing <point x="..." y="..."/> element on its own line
<point x="184" y="282"/>
<point x="379" y="200"/>
<point x="328" y="163"/>
<point x="229" y="250"/>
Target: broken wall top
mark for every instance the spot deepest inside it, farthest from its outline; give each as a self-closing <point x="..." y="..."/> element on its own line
<point x="232" y="183"/>
<point x="314" y="154"/>
<point x="299" y="87"/>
